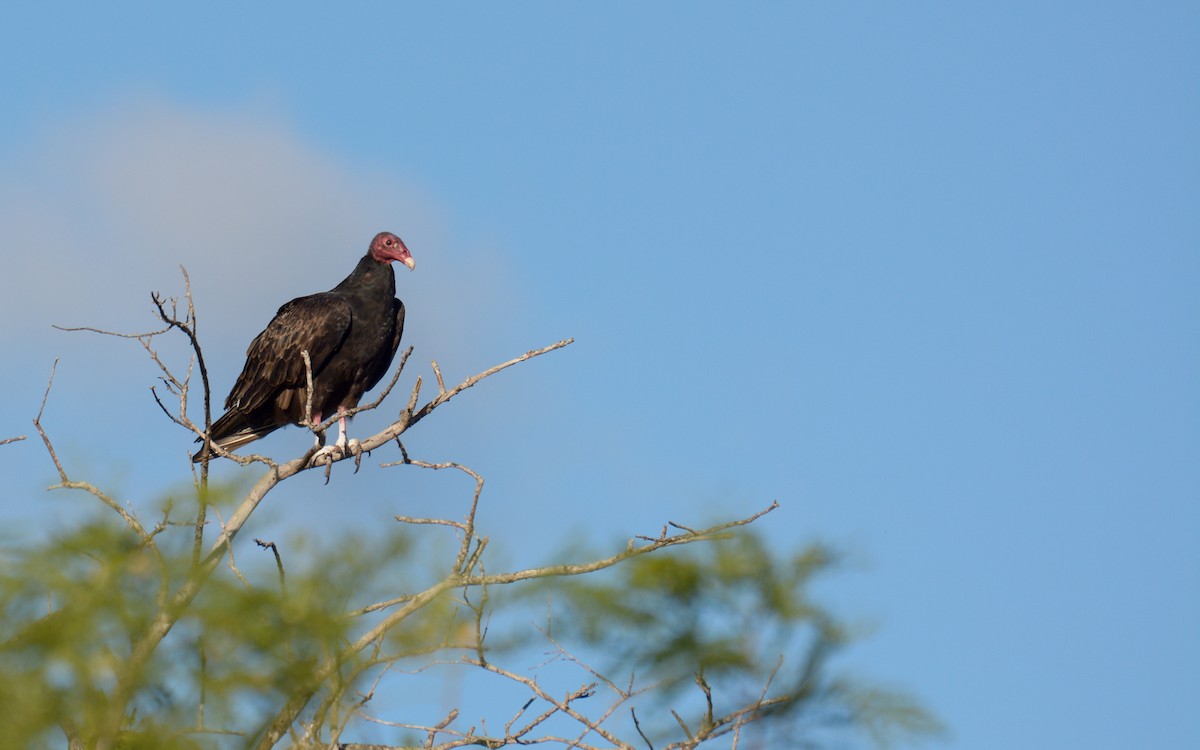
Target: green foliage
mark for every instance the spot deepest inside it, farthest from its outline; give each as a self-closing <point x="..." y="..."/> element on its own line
<point x="725" y="621"/>
<point x="717" y="628"/>
<point x="712" y="631"/>
<point x="73" y="609"/>
<point x="68" y="609"/>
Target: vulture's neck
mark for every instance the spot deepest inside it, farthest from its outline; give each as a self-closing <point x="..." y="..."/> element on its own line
<point x="369" y="277"/>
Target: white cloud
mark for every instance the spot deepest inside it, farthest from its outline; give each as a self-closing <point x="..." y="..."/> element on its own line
<point x="105" y="209"/>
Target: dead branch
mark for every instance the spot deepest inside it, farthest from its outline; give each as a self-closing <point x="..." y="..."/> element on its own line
<point x="118" y="334"/>
<point x="513" y="734"/>
<point x="411" y="415"/>
<point x="177" y="387"/>
<point x="188" y="327"/>
<point x="67" y="483"/>
<point x="563" y="705"/>
<point x="467" y="527"/>
<point x="631" y="550"/>
<point x="13" y="439"/>
<point x="471" y="381"/>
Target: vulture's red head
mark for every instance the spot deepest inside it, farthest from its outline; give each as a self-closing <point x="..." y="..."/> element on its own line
<point x="387" y="247"/>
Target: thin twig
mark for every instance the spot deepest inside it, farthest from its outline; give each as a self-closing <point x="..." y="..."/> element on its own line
<point x="683" y="726"/>
<point x="437" y="371"/>
<point x="638" y="726"/>
<point x="66" y="482"/>
<point x="567" y="655"/>
<point x="278" y="562"/>
<point x="380" y="605"/>
<point x="118" y="334"/>
<point x="564" y="705"/>
<point x="233" y="563"/>
<point x="708" y="713"/>
<point x="188" y="327"/>
<point x="468" y="526"/>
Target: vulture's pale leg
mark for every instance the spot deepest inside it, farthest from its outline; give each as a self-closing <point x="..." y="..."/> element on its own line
<point x="347" y="444"/>
<point x="344" y="446"/>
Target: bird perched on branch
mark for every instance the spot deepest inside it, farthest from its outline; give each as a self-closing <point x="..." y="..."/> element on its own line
<point x="351" y="334"/>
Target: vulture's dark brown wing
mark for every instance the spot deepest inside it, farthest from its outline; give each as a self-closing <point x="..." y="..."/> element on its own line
<point x="383" y="358"/>
<point x="317" y="324"/>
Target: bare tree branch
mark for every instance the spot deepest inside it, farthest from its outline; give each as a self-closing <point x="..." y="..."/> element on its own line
<point x="67" y="483"/>
<point x="631" y="550"/>
<point x="467" y="527"/>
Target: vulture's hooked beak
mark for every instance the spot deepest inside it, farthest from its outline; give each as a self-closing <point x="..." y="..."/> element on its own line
<point x="412" y="264"/>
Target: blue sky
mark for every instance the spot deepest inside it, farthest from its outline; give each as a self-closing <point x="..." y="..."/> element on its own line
<point x="925" y="273"/>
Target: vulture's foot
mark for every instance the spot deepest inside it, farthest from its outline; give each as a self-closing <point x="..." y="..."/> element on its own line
<point x="327" y="455"/>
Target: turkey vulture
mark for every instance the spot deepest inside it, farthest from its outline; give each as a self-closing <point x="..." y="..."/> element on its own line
<point x="351" y="334"/>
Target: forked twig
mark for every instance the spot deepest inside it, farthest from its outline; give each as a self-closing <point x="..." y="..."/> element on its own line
<point x="278" y="562"/>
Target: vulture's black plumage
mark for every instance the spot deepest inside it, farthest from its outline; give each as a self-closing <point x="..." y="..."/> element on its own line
<point x="351" y="334"/>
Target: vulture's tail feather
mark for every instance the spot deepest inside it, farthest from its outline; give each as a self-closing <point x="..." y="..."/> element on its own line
<point x="232" y="431"/>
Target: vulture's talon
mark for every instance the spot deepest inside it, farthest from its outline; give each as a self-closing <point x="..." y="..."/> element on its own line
<point x="354" y="448"/>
